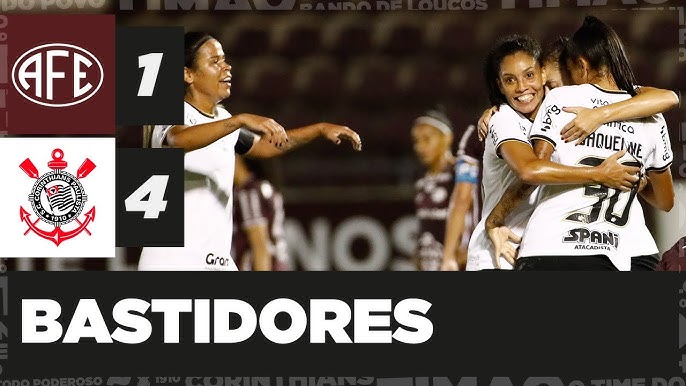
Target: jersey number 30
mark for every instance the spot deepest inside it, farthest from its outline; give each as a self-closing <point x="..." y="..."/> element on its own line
<point x="602" y="193"/>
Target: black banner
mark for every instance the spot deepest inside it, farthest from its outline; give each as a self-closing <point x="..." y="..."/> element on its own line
<point x="569" y="325"/>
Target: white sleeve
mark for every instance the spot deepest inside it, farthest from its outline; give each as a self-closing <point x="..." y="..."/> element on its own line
<point x="504" y="127"/>
<point x="546" y="126"/>
<point x="159" y="133"/>
<point x="662" y="156"/>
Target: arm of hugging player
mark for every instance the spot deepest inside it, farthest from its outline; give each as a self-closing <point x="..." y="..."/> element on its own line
<point x="499" y="234"/>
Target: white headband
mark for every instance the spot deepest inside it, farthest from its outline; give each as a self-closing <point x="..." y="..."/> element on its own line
<point x="435" y="123"/>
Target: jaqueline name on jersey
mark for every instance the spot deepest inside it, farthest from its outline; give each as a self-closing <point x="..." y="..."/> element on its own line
<point x="613" y="142"/>
<point x="40" y="319"/>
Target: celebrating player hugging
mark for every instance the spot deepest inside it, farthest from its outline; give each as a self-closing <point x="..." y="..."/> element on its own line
<point x="585" y="216"/>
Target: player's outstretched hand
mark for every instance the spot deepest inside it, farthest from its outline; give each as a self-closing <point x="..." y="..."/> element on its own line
<point x="483" y="121"/>
<point x="501" y="237"/>
<point x="586" y="122"/>
<point x="618" y="176"/>
<point x="336" y="133"/>
<point x="267" y="127"/>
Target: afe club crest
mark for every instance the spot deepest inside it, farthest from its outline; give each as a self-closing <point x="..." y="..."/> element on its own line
<point x="57" y="198"/>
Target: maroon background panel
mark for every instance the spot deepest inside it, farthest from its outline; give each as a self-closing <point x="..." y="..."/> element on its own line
<point x="92" y="33"/>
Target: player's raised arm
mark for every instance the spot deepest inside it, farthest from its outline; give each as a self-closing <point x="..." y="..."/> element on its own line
<point x="484" y="120"/>
<point x="538" y="170"/>
<point x="191" y="138"/>
<point x="649" y="101"/>
<point x="303" y="135"/>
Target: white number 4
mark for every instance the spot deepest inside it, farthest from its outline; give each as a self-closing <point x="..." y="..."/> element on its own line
<point x="155" y="186"/>
<point x="151" y="64"/>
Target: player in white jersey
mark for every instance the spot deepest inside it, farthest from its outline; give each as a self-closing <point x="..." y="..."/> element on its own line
<point x="514" y="76"/>
<point x="593" y="227"/>
<point x="497" y="177"/>
<point x="210" y="138"/>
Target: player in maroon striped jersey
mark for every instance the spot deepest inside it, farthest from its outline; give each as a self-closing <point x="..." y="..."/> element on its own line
<point x="432" y="135"/>
<point x="258" y="235"/>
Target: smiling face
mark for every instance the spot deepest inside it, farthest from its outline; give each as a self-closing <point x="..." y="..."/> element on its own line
<point x="521" y="81"/>
<point x="210" y="75"/>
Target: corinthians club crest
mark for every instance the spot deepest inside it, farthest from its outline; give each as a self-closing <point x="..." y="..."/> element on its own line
<point x="57" y="198"/>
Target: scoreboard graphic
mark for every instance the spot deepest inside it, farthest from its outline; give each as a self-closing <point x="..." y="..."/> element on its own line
<point x="61" y="199"/>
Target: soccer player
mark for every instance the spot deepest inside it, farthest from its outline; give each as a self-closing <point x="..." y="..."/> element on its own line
<point x="463" y="213"/>
<point x="649" y="100"/>
<point x="515" y="79"/>
<point x="592" y="227"/>
<point x="210" y="138"/>
<point x="259" y="242"/>
<point x="517" y="152"/>
<point x="432" y="136"/>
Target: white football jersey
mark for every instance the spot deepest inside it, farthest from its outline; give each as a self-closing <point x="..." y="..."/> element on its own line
<point x="505" y="125"/>
<point x="208" y="189"/>
<point x="591" y="219"/>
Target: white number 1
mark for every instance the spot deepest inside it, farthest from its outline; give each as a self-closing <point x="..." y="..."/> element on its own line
<point x="156" y="185"/>
<point x="151" y="64"/>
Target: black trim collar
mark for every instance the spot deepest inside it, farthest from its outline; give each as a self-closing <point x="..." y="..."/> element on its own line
<point x="198" y="110"/>
<point x="609" y="91"/>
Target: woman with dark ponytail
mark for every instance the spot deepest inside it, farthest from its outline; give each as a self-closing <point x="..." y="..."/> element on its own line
<point x="596" y="52"/>
<point x="591" y="227"/>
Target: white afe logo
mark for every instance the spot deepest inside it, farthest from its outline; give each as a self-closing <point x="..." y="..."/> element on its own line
<point x="29" y="66"/>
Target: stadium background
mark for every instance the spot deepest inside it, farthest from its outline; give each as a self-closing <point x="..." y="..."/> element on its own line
<point x="375" y="71"/>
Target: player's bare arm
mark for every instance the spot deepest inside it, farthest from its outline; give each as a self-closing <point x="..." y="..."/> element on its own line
<point x="647" y="102"/>
<point x="259" y="239"/>
<point x="195" y="137"/>
<point x="484" y="120"/>
<point x="535" y="171"/>
<point x="515" y="193"/>
<point x="659" y="190"/>
<point x="497" y="232"/>
<point x="270" y="130"/>
<point x="303" y="135"/>
<point x="460" y="204"/>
